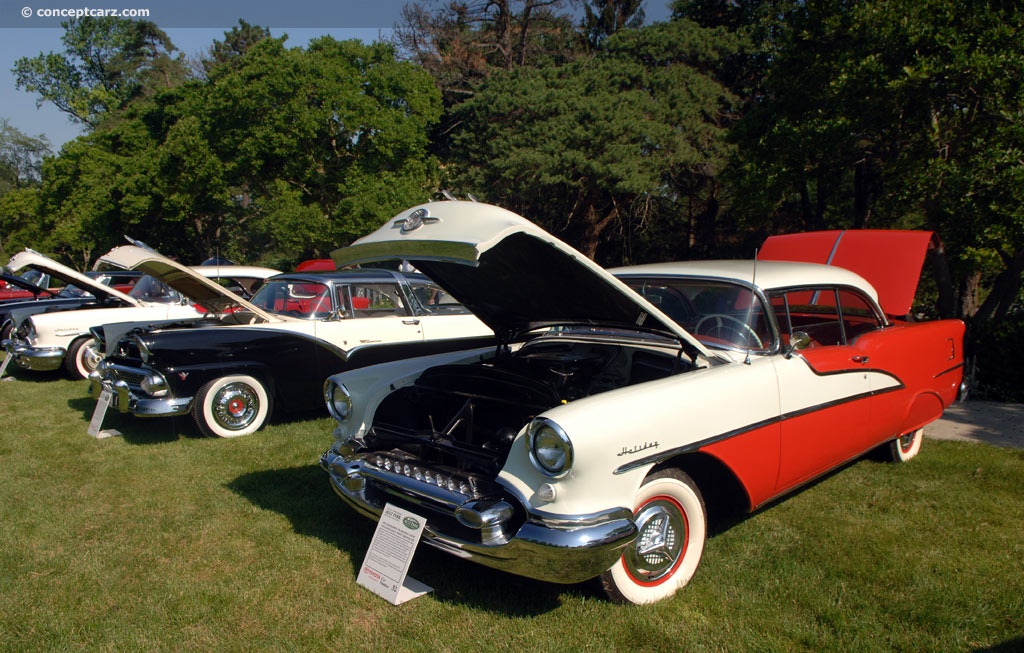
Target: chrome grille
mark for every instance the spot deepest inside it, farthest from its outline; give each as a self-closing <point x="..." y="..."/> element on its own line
<point x="133" y="376"/>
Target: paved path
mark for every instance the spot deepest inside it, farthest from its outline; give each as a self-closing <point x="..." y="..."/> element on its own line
<point x="981" y="421"/>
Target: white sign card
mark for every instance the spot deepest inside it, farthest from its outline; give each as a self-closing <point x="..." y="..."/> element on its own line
<point x="390" y="554"/>
<point x="7" y="360"/>
<point x="98" y="413"/>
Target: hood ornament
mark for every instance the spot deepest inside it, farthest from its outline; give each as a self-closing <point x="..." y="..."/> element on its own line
<point x="415" y="220"/>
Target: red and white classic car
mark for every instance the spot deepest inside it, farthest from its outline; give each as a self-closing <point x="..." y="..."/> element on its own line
<point x="586" y="444"/>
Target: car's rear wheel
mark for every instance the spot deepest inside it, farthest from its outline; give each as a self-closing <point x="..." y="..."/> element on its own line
<point x="82" y="358"/>
<point x="231" y="406"/>
<point x="672" y="522"/>
<point x="906" y="446"/>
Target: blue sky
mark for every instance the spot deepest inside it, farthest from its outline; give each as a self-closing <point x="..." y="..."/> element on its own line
<point x="192" y="25"/>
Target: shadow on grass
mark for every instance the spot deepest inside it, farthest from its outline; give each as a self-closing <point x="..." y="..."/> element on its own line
<point x="1014" y="645"/>
<point x="15" y="374"/>
<point x="136" y="430"/>
<point x="304" y="497"/>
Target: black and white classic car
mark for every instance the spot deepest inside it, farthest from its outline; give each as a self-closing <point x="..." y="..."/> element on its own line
<point x="249" y="359"/>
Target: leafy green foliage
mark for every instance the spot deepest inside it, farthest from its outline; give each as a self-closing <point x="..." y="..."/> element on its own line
<point x="600" y="142"/>
<point x="107" y="62"/>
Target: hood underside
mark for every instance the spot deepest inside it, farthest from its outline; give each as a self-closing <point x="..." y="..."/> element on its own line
<point x="510" y="273"/>
<point x="205" y="292"/>
<point x="891" y="260"/>
<point x="33" y="259"/>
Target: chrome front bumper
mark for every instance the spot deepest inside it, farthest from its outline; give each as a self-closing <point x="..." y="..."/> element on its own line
<point x="566" y="549"/>
<point x="38" y="359"/>
<point x="125" y="400"/>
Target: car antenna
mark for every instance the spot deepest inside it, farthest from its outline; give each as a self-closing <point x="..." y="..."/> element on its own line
<point x="750" y="306"/>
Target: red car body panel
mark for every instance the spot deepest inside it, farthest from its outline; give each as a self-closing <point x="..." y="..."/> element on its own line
<point x="890" y="260"/>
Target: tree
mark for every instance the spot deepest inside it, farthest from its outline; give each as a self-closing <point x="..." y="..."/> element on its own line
<point x="612" y="141"/>
<point x="602" y="18"/>
<point x="462" y="43"/>
<point x="899" y="114"/>
<point x="236" y="43"/>
<point x="107" y="62"/>
<point x="21" y="158"/>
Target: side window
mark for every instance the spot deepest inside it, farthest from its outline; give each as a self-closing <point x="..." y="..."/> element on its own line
<point x="858" y="315"/>
<point x="376" y="300"/>
<point x="829" y="316"/>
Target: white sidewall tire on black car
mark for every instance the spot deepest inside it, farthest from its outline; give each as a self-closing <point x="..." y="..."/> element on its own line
<point x="81" y="358"/>
<point x="672" y="520"/>
<point x="906" y="446"/>
<point x="231" y="406"/>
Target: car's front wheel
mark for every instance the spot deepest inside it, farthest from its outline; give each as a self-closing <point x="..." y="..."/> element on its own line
<point x="906" y="446"/>
<point x="82" y="358"/>
<point x="231" y="406"/>
<point x="672" y="522"/>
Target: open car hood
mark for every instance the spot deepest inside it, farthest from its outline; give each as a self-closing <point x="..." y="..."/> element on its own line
<point x="205" y="292"/>
<point x="891" y="260"/>
<point x="33" y="259"/>
<point x="509" y="272"/>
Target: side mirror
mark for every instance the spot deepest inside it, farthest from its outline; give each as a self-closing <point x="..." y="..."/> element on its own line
<point x="797" y="340"/>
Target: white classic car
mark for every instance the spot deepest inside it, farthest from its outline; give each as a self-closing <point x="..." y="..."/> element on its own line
<point x="106" y="289"/>
<point x="586" y="443"/>
<point x="49" y="341"/>
<point x="251" y="359"/>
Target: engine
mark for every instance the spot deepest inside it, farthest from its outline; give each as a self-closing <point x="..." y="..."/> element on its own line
<point x="465" y="417"/>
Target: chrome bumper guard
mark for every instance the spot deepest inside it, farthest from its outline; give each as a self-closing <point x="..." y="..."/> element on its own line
<point x="558" y="550"/>
<point x="39" y="359"/>
<point x="126" y="400"/>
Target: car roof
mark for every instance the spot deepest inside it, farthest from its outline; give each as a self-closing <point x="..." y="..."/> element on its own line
<point x="363" y="275"/>
<point x="766" y="275"/>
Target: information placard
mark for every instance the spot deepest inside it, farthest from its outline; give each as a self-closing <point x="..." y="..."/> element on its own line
<point x="387" y="560"/>
<point x="7" y="360"/>
<point x="97" y="414"/>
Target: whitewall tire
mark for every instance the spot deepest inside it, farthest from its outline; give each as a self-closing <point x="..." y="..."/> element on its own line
<point x="82" y="358"/>
<point x="672" y="520"/>
<point x="906" y="446"/>
<point x="231" y="406"/>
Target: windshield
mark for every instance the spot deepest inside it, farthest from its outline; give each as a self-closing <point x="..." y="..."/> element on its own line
<point x="303" y="299"/>
<point x="718" y="313"/>
<point x="40" y="279"/>
<point x="71" y="290"/>
<point x="150" y="289"/>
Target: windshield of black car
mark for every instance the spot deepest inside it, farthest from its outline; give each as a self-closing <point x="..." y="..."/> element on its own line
<point x="151" y="289"/>
<point x="718" y="313"/>
<point x="303" y="299"/>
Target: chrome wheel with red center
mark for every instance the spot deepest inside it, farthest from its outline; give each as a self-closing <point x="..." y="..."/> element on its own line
<point x="231" y="406"/>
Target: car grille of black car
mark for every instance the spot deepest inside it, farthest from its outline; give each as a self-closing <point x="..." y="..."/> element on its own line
<point x="133" y="376"/>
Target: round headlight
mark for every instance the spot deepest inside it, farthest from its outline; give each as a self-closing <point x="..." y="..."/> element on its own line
<point x="339" y="401"/>
<point x="550" y="448"/>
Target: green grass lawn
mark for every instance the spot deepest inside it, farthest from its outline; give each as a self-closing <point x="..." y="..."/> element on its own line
<point x="164" y="540"/>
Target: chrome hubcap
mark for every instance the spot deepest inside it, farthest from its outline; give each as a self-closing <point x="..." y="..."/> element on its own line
<point x="907" y="442"/>
<point x="660" y="545"/>
<point x="90" y="357"/>
<point x="235" y="406"/>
